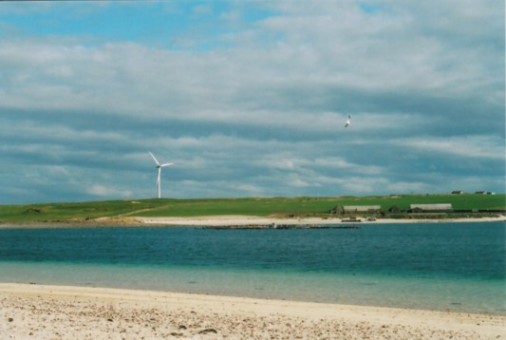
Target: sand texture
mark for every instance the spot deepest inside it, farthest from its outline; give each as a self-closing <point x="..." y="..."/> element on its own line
<point x="55" y="312"/>
<point x="254" y="220"/>
<point x="236" y="221"/>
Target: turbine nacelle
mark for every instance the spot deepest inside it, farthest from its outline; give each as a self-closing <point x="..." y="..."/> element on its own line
<point x="158" y="166"/>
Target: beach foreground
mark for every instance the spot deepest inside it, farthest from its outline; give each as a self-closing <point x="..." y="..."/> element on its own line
<point x="56" y="312"/>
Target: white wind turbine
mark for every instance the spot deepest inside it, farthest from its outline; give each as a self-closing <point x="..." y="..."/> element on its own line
<point x="158" y="178"/>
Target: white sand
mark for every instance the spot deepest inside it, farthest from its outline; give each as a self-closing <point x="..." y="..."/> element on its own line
<point x="235" y="220"/>
<point x="252" y="220"/>
<point x="55" y="312"/>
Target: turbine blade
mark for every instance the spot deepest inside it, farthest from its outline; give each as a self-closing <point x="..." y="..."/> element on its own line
<point x="154" y="158"/>
<point x="166" y="164"/>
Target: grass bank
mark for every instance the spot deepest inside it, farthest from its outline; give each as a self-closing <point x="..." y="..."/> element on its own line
<point x="82" y="212"/>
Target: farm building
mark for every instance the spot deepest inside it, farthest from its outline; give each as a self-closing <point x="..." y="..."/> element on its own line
<point x="484" y="193"/>
<point x="431" y="207"/>
<point x="361" y="208"/>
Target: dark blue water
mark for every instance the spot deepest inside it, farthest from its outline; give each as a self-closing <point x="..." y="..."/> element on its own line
<point x="406" y="265"/>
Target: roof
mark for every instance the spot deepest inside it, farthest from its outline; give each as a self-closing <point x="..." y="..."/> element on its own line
<point x="361" y="207"/>
<point x="437" y="206"/>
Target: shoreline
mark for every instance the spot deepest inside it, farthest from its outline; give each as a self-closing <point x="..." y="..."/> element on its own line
<point x="231" y="221"/>
<point x="307" y="221"/>
<point x="41" y="311"/>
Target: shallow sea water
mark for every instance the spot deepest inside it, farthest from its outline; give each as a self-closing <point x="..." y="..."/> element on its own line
<point x="440" y="266"/>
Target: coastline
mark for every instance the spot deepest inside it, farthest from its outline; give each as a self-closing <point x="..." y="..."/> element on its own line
<point x="63" y="312"/>
<point x="235" y="221"/>
<point x="232" y="220"/>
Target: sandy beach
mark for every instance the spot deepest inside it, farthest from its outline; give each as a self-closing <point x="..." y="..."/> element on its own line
<point x="56" y="312"/>
<point x="311" y="221"/>
<point x="235" y="221"/>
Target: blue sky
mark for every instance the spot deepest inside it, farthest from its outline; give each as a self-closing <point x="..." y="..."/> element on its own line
<point x="196" y="25"/>
<point x="249" y="98"/>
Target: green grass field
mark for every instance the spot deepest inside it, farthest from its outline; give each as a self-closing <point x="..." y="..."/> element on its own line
<point x="299" y="206"/>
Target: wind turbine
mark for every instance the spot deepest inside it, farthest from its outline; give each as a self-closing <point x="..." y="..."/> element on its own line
<point x="158" y="178"/>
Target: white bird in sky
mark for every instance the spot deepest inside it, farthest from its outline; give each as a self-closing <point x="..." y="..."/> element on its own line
<point x="348" y="122"/>
<point x="158" y="178"/>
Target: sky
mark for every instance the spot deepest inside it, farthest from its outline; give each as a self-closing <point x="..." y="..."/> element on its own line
<point x="250" y="98"/>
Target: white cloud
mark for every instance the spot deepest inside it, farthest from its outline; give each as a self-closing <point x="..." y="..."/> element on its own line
<point x="261" y="109"/>
<point x="485" y="147"/>
<point x="107" y="191"/>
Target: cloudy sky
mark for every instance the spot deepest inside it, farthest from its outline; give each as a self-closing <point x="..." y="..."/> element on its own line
<point x="249" y="98"/>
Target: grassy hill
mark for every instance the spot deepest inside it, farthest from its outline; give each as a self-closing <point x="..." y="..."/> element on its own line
<point x="278" y="206"/>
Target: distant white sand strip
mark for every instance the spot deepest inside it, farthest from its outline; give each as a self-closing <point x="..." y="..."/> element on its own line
<point x="314" y="221"/>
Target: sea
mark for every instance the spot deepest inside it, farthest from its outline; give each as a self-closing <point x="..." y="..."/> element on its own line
<point x="436" y="266"/>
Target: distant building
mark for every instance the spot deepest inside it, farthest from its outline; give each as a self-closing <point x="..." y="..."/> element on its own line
<point x="457" y="192"/>
<point x="430" y="207"/>
<point x="361" y="208"/>
<point x="485" y="193"/>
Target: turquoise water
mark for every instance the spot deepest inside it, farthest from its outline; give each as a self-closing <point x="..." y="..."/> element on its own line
<point x="440" y="266"/>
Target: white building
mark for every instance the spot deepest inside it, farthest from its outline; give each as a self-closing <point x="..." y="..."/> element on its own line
<point x="431" y="207"/>
<point x="361" y="208"/>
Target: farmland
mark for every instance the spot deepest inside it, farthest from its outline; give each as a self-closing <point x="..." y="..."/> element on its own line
<point x="87" y="212"/>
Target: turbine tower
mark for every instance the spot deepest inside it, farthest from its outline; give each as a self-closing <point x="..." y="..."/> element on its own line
<point x="159" y="177"/>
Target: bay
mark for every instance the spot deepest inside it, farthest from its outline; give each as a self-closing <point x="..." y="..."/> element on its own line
<point x="442" y="266"/>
